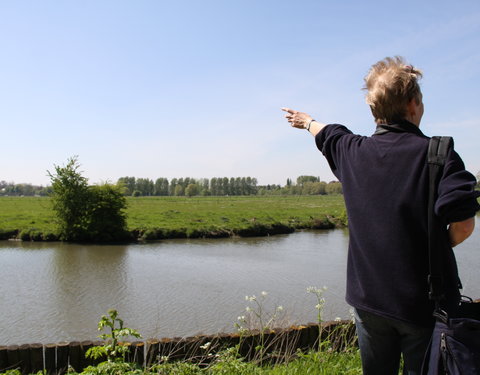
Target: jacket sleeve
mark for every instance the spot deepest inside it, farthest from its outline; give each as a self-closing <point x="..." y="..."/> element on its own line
<point x="327" y="141"/>
<point x="457" y="197"/>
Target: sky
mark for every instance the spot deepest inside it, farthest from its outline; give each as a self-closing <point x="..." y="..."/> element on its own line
<point x="178" y="88"/>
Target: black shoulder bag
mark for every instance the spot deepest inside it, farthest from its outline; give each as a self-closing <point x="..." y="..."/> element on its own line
<point x="455" y="344"/>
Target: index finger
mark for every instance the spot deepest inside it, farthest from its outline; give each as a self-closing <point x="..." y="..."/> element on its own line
<point x="292" y="111"/>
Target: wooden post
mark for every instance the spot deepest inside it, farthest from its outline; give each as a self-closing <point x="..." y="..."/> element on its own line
<point x="50" y="364"/>
<point x="13" y="357"/>
<point x="3" y="358"/>
<point x="36" y="358"/>
<point x="75" y="356"/>
<point x="152" y="351"/>
<point x="62" y="358"/>
<point x="136" y="353"/>
<point x="313" y="335"/>
<point x="24" y="355"/>
<point x="84" y="361"/>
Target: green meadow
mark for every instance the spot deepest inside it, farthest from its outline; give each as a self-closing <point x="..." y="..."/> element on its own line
<point x="150" y="218"/>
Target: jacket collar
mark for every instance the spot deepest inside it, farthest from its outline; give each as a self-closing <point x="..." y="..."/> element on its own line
<point x="403" y="126"/>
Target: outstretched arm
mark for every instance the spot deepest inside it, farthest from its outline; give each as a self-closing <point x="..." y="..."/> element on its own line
<point x="302" y="120"/>
<point x="459" y="231"/>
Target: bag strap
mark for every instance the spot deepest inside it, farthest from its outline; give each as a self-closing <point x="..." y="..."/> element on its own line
<point x="437" y="153"/>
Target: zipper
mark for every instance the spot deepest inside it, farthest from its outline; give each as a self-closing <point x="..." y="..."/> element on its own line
<point x="443" y="348"/>
<point x="446" y="351"/>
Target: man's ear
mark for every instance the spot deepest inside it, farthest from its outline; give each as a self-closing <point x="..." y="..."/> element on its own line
<point x="412" y="108"/>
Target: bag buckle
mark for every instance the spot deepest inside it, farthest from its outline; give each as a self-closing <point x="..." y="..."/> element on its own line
<point x="441" y="315"/>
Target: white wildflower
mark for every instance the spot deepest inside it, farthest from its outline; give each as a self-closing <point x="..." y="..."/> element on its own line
<point x="206" y="345"/>
<point x="264" y="294"/>
<point x="352" y="315"/>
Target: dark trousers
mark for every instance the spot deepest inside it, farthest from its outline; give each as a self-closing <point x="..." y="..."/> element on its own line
<point x="383" y="340"/>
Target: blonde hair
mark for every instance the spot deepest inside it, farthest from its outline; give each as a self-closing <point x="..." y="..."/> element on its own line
<point x="391" y="84"/>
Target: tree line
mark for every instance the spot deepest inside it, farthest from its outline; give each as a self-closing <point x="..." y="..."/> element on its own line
<point x="11" y="188"/>
<point x="189" y="186"/>
<point x="217" y="186"/>
<point x="223" y="186"/>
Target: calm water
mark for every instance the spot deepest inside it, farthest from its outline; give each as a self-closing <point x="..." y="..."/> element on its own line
<point x="55" y="292"/>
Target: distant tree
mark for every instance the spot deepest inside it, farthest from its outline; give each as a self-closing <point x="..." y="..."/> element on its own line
<point x="301" y="180"/>
<point x="318" y="188"/>
<point x="44" y="191"/>
<point x="161" y="186"/>
<point x="204" y="186"/>
<point x="224" y="186"/>
<point x="128" y="183"/>
<point x="191" y="190"/>
<point x="136" y="193"/>
<point x="334" y="187"/>
<point x="179" y="190"/>
<point x="253" y="185"/>
<point x="145" y="186"/>
<point x="171" y="188"/>
<point x="214" y="186"/>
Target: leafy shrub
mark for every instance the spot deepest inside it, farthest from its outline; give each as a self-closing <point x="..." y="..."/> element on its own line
<point x="106" y="219"/>
<point x="87" y="213"/>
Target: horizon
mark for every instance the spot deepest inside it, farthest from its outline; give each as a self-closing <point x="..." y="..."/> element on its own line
<point x="292" y="181"/>
<point x="159" y="89"/>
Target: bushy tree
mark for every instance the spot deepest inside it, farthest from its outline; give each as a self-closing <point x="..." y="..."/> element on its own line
<point x="86" y="213"/>
<point x="106" y="213"/>
<point x="70" y="200"/>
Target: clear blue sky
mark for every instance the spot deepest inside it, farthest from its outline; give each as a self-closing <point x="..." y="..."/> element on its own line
<point x="194" y="88"/>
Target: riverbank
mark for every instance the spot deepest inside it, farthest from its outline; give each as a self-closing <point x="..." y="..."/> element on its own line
<point x="156" y="218"/>
<point x="273" y="346"/>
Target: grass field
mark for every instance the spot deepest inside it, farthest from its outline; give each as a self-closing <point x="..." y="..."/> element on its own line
<point x="169" y="217"/>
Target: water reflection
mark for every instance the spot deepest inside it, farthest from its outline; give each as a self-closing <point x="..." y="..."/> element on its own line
<point x="89" y="280"/>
